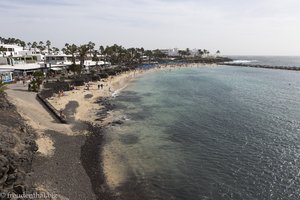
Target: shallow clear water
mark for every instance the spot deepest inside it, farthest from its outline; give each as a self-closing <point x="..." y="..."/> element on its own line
<point x="208" y="133"/>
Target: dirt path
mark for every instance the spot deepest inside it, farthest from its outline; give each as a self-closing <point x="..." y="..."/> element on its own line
<point x="57" y="166"/>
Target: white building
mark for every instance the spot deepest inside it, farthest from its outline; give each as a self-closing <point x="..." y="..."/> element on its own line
<point x="10" y="50"/>
<point x="64" y="60"/>
<point x="58" y="60"/>
<point x="170" y="52"/>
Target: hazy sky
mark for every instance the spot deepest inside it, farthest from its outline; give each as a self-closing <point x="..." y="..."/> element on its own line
<point x="256" y="27"/>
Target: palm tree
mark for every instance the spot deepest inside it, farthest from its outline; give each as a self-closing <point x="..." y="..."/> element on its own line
<point x="55" y="50"/>
<point x="142" y="51"/>
<point x="108" y="51"/>
<point x="158" y="54"/>
<point x="83" y="51"/>
<point x="188" y="52"/>
<point x="2" y="49"/>
<point x="101" y="48"/>
<point x="91" y="47"/>
<point x="22" y="44"/>
<point x="182" y="53"/>
<point x="149" y="54"/>
<point x="34" y="45"/>
<point x="132" y="52"/>
<point x="205" y="52"/>
<point x="48" y="44"/>
<point x="95" y="57"/>
<point x="200" y="52"/>
<point x="41" y="46"/>
<point x="29" y="45"/>
<point x="71" y="49"/>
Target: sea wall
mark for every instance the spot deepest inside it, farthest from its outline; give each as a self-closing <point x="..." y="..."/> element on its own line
<point x="51" y="109"/>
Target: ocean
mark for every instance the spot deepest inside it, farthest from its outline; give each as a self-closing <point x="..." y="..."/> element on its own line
<point x="211" y="133"/>
<point x="287" y="61"/>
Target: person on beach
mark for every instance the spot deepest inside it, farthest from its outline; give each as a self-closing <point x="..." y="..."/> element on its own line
<point x="98" y="87"/>
<point x="61" y="114"/>
<point x="101" y="86"/>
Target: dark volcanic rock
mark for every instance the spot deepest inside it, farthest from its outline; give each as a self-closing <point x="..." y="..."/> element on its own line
<point x="17" y="147"/>
<point x="117" y="122"/>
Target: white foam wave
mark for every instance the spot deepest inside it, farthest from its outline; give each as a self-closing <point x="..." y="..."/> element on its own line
<point x="115" y="93"/>
<point x="242" y="61"/>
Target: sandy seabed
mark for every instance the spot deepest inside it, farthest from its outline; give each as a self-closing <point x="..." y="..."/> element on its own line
<point x="60" y="142"/>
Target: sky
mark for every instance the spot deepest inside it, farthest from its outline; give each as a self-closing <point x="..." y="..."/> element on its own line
<point x="235" y="27"/>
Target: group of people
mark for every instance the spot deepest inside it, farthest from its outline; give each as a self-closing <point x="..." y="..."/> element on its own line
<point x="61" y="93"/>
<point x="25" y="79"/>
<point x="61" y="114"/>
<point x="100" y="86"/>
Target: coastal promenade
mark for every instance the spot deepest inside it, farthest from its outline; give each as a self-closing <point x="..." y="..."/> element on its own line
<point x="57" y="166"/>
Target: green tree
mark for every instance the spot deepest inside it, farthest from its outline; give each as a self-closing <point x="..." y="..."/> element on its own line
<point x="55" y="50"/>
<point x="41" y="46"/>
<point x="29" y="45"/>
<point x="101" y="49"/>
<point x="83" y="51"/>
<point x="182" y="53"/>
<point x="91" y="47"/>
<point x="205" y="52"/>
<point x="23" y="44"/>
<point x="2" y="49"/>
<point x="188" y="52"/>
<point x="34" y="45"/>
<point x="200" y="52"/>
<point x="149" y="54"/>
<point x="71" y="50"/>
<point x="48" y="44"/>
<point x="158" y="54"/>
<point x="75" y="68"/>
<point x="37" y="81"/>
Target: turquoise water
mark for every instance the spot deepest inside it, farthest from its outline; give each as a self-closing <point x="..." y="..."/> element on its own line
<point x="208" y="133"/>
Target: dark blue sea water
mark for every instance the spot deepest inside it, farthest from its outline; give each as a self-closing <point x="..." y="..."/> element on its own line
<point x="287" y="61"/>
<point x="224" y="133"/>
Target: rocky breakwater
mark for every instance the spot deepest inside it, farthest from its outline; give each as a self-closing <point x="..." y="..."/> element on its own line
<point x="17" y="148"/>
<point x="294" y="68"/>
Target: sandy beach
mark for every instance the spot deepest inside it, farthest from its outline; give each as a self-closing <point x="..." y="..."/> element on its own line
<point x="68" y="162"/>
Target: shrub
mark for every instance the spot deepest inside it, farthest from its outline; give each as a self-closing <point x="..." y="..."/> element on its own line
<point x="103" y="75"/>
<point x="75" y="69"/>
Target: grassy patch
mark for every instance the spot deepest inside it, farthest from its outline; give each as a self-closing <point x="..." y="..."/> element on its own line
<point x="2" y="87"/>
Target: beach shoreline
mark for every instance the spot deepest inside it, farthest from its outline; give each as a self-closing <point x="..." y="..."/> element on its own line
<point x="80" y="141"/>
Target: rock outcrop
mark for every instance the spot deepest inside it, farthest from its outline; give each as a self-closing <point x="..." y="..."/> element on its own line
<point x="17" y="148"/>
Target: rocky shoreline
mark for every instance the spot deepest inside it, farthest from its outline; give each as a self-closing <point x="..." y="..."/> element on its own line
<point x="91" y="151"/>
<point x="91" y="160"/>
<point x="17" y="147"/>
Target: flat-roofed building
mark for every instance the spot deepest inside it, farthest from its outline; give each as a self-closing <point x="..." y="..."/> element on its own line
<point x="6" y="76"/>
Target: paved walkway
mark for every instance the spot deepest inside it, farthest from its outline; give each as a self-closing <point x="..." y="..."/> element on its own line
<point x="57" y="166"/>
<point x="32" y="110"/>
